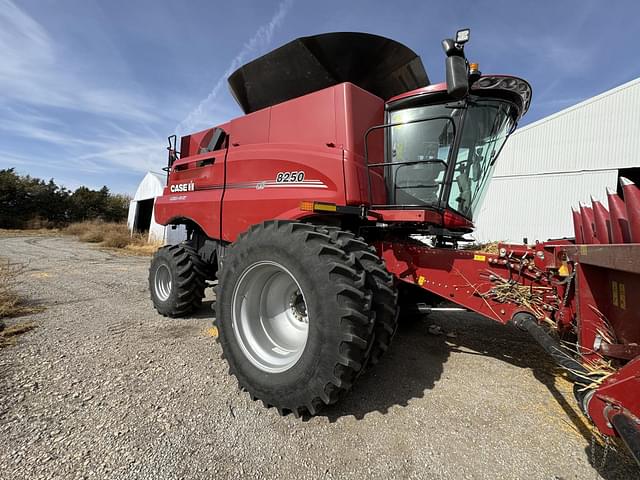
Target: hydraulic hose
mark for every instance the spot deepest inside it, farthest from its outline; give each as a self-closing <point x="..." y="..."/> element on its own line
<point x="575" y="371"/>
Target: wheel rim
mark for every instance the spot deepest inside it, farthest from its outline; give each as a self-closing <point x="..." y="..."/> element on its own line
<point x="269" y="316"/>
<point x="162" y="282"/>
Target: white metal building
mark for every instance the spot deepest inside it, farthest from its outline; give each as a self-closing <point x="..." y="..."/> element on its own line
<point x="552" y="164"/>
<point x="141" y="218"/>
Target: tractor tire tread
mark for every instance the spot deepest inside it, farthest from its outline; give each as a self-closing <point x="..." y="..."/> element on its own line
<point x="349" y="298"/>
<point x="379" y="281"/>
<point x="188" y="279"/>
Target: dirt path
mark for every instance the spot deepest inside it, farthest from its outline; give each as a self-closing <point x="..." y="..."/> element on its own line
<point x="106" y="388"/>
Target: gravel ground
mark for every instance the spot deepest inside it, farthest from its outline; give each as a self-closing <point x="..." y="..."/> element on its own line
<point x="106" y="388"/>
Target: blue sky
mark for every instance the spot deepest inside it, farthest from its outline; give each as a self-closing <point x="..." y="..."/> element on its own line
<point x="91" y="89"/>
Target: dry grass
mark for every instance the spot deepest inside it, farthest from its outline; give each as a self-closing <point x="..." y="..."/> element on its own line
<point x="36" y="232"/>
<point x="490" y="247"/>
<point x="7" y="336"/>
<point x="145" y="250"/>
<point x="598" y="368"/>
<point x="532" y="297"/>
<point x="112" y="235"/>
<point x="9" y="276"/>
<point x="11" y="305"/>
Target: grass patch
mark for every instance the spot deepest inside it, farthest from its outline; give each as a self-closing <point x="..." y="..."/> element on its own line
<point x="147" y="249"/>
<point x="36" y="232"/>
<point x="112" y="235"/>
<point x="10" y="274"/>
<point x="11" y="304"/>
<point x="7" y="336"/>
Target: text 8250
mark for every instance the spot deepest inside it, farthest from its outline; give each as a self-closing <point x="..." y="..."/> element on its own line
<point x="289" y="177"/>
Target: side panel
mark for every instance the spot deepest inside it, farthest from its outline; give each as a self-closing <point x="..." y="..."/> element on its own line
<point x="269" y="181"/>
<point x="618" y="393"/>
<point x="195" y="191"/>
<point x="356" y="183"/>
<point x="308" y="120"/>
<point x="316" y="143"/>
<point x="356" y="111"/>
<point x="607" y="277"/>
<point x="250" y="129"/>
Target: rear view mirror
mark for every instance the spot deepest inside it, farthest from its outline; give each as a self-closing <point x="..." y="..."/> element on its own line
<point x="457" y="79"/>
<point x="456" y="64"/>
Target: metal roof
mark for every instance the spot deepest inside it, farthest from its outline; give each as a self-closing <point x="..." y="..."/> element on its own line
<point x="596" y="134"/>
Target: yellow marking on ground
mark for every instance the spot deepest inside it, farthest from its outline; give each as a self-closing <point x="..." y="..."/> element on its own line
<point x="40" y="274"/>
<point x="212" y="332"/>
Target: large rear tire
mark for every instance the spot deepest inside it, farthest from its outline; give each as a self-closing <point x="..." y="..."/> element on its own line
<point x="177" y="280"/>
<point x="381" y="284"/>
<point x="294" y="316"/>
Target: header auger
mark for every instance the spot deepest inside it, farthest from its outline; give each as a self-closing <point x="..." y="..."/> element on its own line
<point x="307" y="208"/>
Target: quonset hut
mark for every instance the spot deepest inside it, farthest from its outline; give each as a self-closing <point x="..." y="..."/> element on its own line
<point x="141" y="220"/>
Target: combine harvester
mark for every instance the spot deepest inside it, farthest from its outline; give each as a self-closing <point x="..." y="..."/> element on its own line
<point x="308" y="209"/>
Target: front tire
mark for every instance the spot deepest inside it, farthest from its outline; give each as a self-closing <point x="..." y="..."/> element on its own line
<point x="293" y="315"/>
<point x="176" y="280"/>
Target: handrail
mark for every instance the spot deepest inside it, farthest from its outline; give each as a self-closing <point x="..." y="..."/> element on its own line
<point x="413" y="162"/>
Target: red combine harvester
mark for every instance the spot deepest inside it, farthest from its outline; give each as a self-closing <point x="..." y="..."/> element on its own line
<point x="310" y="208"/>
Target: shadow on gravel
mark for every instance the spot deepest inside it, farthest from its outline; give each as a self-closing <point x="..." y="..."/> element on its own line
<point x="415" y="361"/>
<point x="617" y="465"/>
<point x="205" y="311"/>
<point x="414" y="364"/>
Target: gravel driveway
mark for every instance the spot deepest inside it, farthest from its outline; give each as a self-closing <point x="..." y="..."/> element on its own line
<point x="106" y="388"/>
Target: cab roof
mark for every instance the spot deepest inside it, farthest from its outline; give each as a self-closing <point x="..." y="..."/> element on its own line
<point x="515" y="88"/>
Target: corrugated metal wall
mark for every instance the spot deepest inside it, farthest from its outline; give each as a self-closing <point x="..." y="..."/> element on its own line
<point x="538" y="207"/>
<point x="552" y="164"/>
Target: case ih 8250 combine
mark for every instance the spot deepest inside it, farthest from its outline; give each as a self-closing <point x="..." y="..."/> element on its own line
<point x="307" y="211"/>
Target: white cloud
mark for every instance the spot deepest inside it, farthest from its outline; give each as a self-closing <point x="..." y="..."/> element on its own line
<point x="35" y="70"/>
<point x="109" y="146"/>
<point x="204" y="115"/>
<point x="67" y="114"/>
<point x="109" y="128"/>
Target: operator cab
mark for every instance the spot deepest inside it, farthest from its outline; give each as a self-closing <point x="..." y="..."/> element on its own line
<point x="442" y="141"/>
<point x="442" y="155"/>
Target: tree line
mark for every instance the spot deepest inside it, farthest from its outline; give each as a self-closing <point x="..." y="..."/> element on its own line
<point x="27" y="201"/>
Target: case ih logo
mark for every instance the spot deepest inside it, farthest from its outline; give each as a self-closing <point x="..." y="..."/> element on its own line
<point x="183" y="187"/>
